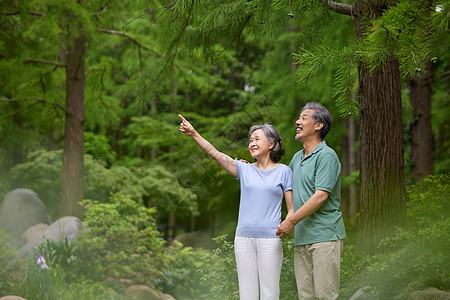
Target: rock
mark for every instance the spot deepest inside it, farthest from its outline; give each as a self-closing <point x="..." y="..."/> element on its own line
<point x="12" y="298"/>
<point x="166" y="297"/>
<point x="192" y="239"/>
<point x="65" y="227"/>
<point x="430" y="293"/>
<point x="34" y="231"/>
<point x="20" y="210"/>
<point x="142" y="292"/>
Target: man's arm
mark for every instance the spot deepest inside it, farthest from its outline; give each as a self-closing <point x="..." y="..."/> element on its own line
<point x="310" y="207"/>
<point x="224" y="160"/>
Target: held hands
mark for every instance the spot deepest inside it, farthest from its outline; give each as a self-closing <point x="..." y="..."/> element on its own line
<point x="186" y="127"/>
<point x="285" y="228"/>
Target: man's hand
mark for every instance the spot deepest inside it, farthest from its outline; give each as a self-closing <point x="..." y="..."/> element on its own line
<point x="186" y="127"/>
<point x="285" y="228"/>
<point x="242" y="160"/>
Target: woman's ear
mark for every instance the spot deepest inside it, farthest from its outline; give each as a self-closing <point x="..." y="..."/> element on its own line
<point x="271" y="145"/>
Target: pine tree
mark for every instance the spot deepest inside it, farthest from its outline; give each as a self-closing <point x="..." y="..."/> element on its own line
<point x="394" y="38"/>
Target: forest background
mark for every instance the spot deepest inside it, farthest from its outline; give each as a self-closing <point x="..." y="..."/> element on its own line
<point x="98" y="85"/>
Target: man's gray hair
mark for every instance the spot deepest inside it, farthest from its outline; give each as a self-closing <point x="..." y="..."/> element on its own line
<point x="320" y="115"/>
<point x="273" y="136"/>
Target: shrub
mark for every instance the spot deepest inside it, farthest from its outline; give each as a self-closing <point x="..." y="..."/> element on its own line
<point x="416" y="257"/>
<point x="183" y="279"/>
<point x="122" y="243"/>
<point x="218" y="270"/>
<point x="11" y="270"/>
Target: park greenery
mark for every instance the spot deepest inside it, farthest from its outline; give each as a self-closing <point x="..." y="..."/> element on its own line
<point x="97" y="85"/>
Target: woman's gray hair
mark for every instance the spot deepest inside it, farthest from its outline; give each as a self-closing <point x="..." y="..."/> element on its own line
<point x="320" y="115"/>
<point x="273" y="136"/>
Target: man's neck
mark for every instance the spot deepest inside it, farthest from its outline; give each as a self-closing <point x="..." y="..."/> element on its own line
<point x="310" y="145"/>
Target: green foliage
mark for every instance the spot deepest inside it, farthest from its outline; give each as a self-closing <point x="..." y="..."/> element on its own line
<point x="428" y="200"/>
<point x="218" y="270"/>
<point x="122" y="242"/>
<point x="183" y="279"/>
<point x="288" y="285"/>
<point x="11" y="270"/>
<point x="98" y="146"/>
<point x="52" y="283"/>
<point x="58" y="253"/>
<point x="153" y="184"/>
<point x="415" y="258"/>
<point x="58" y="281"/>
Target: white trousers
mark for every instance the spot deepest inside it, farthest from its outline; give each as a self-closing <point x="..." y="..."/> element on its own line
<point x="317" y="270"/>
<point x="258" y="263"/>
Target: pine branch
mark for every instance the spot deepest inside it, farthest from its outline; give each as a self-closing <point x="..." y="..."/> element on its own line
<point x="38" y="100"/>
<point x="38" y="61"/>
<point x="152" y="11"/>
<point x="115" y="32"/>
<point x="33" y="13"/>
<point x="238" y="36"/>
<point x="92" y="70"/>
<point x="341" y="8"/>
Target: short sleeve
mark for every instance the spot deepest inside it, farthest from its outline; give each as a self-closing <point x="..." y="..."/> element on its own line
<point x="238" y="167"/>
<point x="287" y="179"/>
<point x="327" y="173"/>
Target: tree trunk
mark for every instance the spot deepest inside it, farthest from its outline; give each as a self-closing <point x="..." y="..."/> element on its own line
<point x="421" y="133"/>
<point x="383" y="195"/>
<point x="350" y="201"/>
<point x="73" y="166"/>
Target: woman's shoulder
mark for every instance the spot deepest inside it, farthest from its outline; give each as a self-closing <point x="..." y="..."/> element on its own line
<point x="284" y="168"/>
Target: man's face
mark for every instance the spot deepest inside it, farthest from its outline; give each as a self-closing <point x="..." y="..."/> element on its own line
<point x="305" y="126"/>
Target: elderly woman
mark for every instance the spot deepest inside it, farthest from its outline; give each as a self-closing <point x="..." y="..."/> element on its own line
<point x="258" y="249"/>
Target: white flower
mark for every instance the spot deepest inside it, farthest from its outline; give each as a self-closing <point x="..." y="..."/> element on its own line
<point x="40" y="260"/>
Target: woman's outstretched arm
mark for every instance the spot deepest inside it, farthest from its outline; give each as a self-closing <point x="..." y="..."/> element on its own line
<point x="224" y="160"/>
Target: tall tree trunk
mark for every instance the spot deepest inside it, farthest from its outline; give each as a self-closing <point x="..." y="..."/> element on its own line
<point x="350" y="201"/>
<point x="383" y="195"/>
<point x="73" y="166"/>
<point x="421" y="133"/>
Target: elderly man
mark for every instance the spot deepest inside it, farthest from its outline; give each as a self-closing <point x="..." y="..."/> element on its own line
<point x="319" y="227"/>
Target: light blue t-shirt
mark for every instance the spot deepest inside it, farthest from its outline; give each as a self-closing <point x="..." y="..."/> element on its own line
<point x="261" y="199"/>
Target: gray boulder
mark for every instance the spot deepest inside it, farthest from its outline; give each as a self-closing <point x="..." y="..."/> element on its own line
<point x="167" y="297"/>
<point x="142" y="292"/>
<point x="20" y="210"/>
<point x="65" y="227"/>
<point x="193" y="239"/>
<point x="34" y="231"/>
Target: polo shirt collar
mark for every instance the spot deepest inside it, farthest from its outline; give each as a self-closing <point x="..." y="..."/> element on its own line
<point x="319" y="147"/>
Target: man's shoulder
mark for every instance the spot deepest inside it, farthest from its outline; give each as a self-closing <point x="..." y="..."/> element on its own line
<point x="327" y="150"/>
<point x="297" y="155"/>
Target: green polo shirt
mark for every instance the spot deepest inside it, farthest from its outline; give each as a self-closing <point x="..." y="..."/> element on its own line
<point x="319" y="170"/>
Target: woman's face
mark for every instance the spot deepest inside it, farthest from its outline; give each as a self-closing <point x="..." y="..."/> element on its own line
<point x="258" y="144"/>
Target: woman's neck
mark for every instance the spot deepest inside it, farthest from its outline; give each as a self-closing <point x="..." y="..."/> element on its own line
<point x="265" y="163"/>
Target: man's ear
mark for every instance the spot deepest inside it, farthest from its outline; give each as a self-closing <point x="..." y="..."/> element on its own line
<point x="318" y="126"/>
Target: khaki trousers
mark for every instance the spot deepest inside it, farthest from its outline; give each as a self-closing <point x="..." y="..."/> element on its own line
<point x="317" y="270"/>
